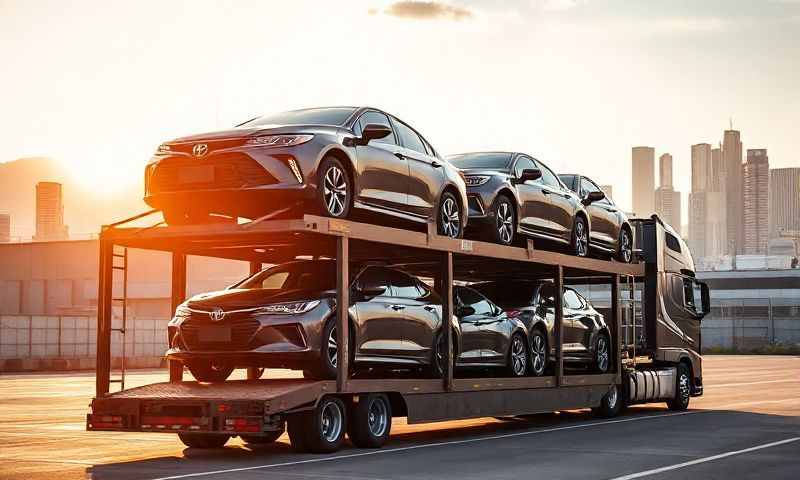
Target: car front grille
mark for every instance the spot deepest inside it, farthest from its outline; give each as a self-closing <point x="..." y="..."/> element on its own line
<point x="226" y="170"/>
<point x="474" y="205"/>
<point x="242" y="331"/>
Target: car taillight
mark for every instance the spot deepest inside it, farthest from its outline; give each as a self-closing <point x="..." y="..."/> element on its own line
<point x="513" y="313"/>
<point x="243" y="424"/>
<point x="97" y="421"/>
<point x="173" y="423"/>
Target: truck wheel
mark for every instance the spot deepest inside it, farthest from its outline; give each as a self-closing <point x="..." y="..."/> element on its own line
<point x="371" y="421"/>
<point x="325" y="426"/>
<point x="206" y="371"/>
<point x="267" y="437"/>
<point x="203" y="440"/>
<point x="682" y="389"/>
<point x="610" y="404"/>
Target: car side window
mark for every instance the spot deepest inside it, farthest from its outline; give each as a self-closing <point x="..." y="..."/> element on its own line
<point x="547" y="298"/>
<point x="471" y="298"/>
<point x="375" y="277"/>
<point x="523" y="163"/>
<point x="377" y="118"/>
<point x="587" y="187"/>
<point x="403" y="285"/>
<point x="548" y="177"/>
<point x="571" y="300"/>
<point x="409" y="138"/>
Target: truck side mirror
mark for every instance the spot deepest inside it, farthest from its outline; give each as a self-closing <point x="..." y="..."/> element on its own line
<point x="705" y="299"/>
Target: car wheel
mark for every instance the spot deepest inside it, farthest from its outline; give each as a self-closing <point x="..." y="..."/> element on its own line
<point x="203" y="440"/>
<point x="602" y="353"/>
<point x="517" y="356"/>
<point x="505" y="222"/>
<point x="625" y="252"/>
<point x="335" y="189"/>
<point x="209" y="372"/>
<point x="449" y="218"/>
<point x="266" y="438"/>
<point x="370" y="421"/>
<point x="538" y="353"/>
<point x="438" y="362"/>
<point x="329" y="354"/>
<point x="610" y="405"/>
<point x="580" y="237"/>
<point x="682" y="389"/>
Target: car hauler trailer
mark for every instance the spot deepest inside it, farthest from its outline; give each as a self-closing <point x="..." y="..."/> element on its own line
<point x="654" y="347"/>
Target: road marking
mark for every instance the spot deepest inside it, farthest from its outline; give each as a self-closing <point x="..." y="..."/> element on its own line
<point x="668" y="468"/>
<point x="427" y="445"/>
<point x="794" y="380"/>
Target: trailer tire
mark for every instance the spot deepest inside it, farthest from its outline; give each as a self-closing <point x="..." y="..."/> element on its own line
<point x="370" y="421"/>
<point x="268" y="437"/>
<point x="203" y="440"/>
<point x="295" y="426"/>
<point x="683" y="387"/>
<point x="610" y="404"/>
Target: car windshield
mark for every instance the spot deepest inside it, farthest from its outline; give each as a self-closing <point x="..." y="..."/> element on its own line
<point x="508" y="296"/>
<point x="312" y="276"/>
<point x="489" y="160"/>
<point x="309" y="116"/>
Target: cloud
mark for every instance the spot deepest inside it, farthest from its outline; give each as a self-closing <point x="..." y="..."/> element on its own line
<point x="416" y="10"/>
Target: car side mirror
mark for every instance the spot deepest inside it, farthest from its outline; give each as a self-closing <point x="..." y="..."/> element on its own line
<point x="593" y="197"/>
<point x="370" y="291"/>
<point x="530" y="174"/>
<point x="373" y="131"/>
<point x="464" y="311"/>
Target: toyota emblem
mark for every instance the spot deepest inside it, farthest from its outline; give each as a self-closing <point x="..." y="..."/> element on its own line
<point x="217" y="314"/>
<point x="200" y="149"/>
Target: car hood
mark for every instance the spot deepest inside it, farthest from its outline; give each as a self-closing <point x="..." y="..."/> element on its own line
<point x="245" y="131"/>
<point x="234" y="299"/>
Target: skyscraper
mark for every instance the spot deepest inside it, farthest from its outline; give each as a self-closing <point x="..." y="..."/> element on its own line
<point x="784" y="201"/>
<point x="732" y="166"/>
<point x="717" y="171"/>
<point x="667" y="200"/>
<point x="49" y="212"/>
<point x="5" y="228"/>
<point x="643" y="161"/>
<point x="701" y="167"/>
<point x="755" y="214"/>
<point x="706" y="203"/>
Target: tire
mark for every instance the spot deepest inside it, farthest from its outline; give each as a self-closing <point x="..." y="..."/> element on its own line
<point x="321" y="430"/>
<point x="505" y="222"/>
<point x="683" y="386"/>
<point x="539" y="352"/>
<point x="334" y="189"/>
<point x="579" y="245"/>
<point x="602" y="354"/>
<point x="203" y="440"/>
<point x="610" y="405"/>
<point x="625" y="250"/>
<point x="328" y="354"/>
<point x="448" y="218"/>
<point x="517" y="357"/>
<point x="207" y="372"/>
<point x="437" y="365"/>
<point x="268" y="437"/>
<point x="370" y="421"/>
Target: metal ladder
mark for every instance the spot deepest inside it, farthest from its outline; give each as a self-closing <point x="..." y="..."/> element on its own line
<point x="124" y="301"/>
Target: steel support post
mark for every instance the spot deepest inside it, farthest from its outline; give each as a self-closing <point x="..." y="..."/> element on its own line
<point x="447" y="315"/>
<point x="104" y="296"/>
<point x="616" y="313"/>
<point x="342" y="316"/>
<point x="254" y="373"/>
<point x="558" y="281"/>
<point x="178" y="295"/>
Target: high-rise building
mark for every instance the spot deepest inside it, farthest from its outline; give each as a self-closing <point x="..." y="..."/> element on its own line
<point x="608" y="190"/>
<point x="5" y="228"/>
<point x="643" y="161"/>
<point x="667" y="200"/>
<point x="49" y="212"/>
<point x="701" y="167"/>
<point x="755" y="199"/>
<point x="717" y="171"/>
<point x="732" y="166"/>
<point x="784" y="201"/>
<point x="706" y="203"/>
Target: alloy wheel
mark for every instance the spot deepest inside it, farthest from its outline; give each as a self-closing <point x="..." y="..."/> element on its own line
<point x="519" y="356"/>
<point x="602" y="354"/>
<point x="538" y="355"/>
<point x="581" y="239"/>
<point x="450" y="218"/>
<point x="377" y="418"/>
<point x="625" y="248"/>
<point x="333" y="348"/>
<point x="683" y="387"/>
<point x="335" y="191"/>
<point x="505" y="223"/>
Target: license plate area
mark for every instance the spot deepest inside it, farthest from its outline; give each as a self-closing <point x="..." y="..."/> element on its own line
<point x="214" y="334"/>
<point x="196" y="174"/>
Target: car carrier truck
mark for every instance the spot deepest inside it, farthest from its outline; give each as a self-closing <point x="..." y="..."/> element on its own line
<point x="656" y="305"/>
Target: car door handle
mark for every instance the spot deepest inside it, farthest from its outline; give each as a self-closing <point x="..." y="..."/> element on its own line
<point x="397" y="307"/>
<point x="546" y="192"/>
<point x="435" y="164"/>
<point x="611" y="210"/>
<point x="399" y="155"/>
<point x="429" y="308"/>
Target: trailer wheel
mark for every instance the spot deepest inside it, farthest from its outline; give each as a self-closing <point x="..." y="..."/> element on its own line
<point x="203" y="440"/>
<point x="321" y="430"/>
<point x="682" y="389"/>
<point x="610" y="404"/>
<point x="370" y="421"/>
<point x="268" y="437"/>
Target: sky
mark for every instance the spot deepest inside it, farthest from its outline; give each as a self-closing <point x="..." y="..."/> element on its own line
<point x="97" y="85"/>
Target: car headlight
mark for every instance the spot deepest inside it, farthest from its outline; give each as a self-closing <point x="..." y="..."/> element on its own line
<point x="163" y="149"/>
<point x="279" y="140"/>
<point x="183" y="311"/>
<point x="476" y="180"/>
<point x="290" y="308"/>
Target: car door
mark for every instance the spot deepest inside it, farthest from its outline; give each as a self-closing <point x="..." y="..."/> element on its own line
<point x="471" y="338"/>
<point x="382" y="168"/>
<point x="496" y="331"/>
<point x="603" y="216"/>
<point x="545" y="307"/>
<point x="425" y="171"/>
<point x="379" y="318"/>
<point x="561" y="204"/>
<point x="421" y="317"/>
<point x="581" y="325"/>
<point x="534" y="204"/>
